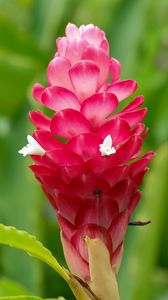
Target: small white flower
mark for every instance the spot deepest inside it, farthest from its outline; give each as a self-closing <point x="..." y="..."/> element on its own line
<point x="32" y="148"/>
<point x="106" y="148"/>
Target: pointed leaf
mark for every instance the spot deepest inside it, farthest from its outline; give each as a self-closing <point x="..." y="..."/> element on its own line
<point x="12" y="288"/>
<point x="24" y="241"/>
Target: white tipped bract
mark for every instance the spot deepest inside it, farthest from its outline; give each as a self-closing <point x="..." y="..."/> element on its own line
<point x="32" y="148"/>
<point x="107" y="148"/>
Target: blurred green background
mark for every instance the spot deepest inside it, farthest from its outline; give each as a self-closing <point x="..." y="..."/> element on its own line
<point x="138" y="35"/>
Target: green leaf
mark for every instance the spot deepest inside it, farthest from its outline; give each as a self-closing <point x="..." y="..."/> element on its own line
<point x="11" y="288"/>
<point x="24" y="241"/>
<point x="20" y="298"/>
<point x="143" y="244"/>
<point x="27" y="298"/>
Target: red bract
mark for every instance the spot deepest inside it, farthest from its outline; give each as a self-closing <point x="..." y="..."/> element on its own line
<point x="88" y="175"/>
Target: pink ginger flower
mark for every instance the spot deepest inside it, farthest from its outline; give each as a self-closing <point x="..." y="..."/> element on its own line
<point x="86" y="156"/>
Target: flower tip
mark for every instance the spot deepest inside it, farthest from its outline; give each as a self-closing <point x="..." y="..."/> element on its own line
<point x="151" y="154"/>
<point x="106" y="148"/>
<point x="70" y="24"/>
<point x="21" y="151"/>
<point x="72" y="31"/>
<point x="32" y="148"/>
<point x="37" y="91"/>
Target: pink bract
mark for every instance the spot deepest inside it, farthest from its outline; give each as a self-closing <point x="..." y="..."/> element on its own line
<point x="92" y="194"/>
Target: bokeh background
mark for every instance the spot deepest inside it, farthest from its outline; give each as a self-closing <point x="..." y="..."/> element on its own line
<point x="138" y="35"/>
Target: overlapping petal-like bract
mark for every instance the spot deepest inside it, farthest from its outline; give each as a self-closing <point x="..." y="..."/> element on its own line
<point x="93" y="194"/>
